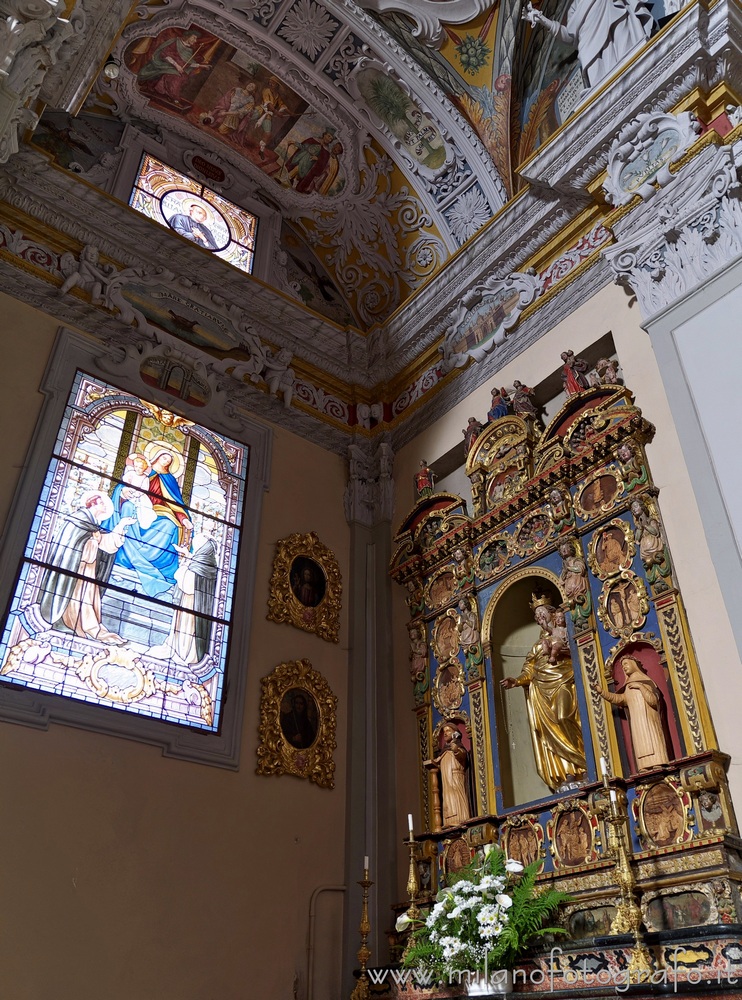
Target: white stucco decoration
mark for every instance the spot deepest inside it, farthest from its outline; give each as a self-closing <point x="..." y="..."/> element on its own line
<point x="604" y="32"/>
<point x="430" y="15"/>
<point x="486" y="315"/>
<point x="690" y="231"/>
<point x="31" y="34"/>
<point x="640" y="158"/>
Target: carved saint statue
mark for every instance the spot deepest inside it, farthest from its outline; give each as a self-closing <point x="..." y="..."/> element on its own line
<point x="424" y="481"/>
<point x="452" y="764"/>
<point x="551" y="699"/>
<point x="604" y="32"/>
<point x="642" y="701"/>
<point x="648" y="534"/>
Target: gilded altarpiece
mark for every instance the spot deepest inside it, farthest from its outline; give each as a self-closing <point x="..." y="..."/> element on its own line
<point x="560" y="583"/>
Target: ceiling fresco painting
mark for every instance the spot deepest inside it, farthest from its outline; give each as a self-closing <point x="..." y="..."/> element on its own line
<point x="189" y="73"/>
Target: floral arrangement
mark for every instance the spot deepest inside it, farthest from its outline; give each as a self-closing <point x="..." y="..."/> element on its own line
<point x="484" y="921"/>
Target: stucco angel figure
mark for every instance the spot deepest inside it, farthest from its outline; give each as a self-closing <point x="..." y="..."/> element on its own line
<point x="604" y="32"/>
<point x="551" y="701"/>
<point x="87" y="273"/>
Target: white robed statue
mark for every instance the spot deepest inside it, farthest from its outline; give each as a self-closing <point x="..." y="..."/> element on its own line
<point x="604" y="32"/>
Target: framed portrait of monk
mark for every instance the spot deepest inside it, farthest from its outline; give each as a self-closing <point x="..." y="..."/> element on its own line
<point x="298" y="714"/>
<point x="305" y="586"/>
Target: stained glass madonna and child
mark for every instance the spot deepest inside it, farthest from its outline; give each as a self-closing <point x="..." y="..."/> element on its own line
<point x="124" y="594"/>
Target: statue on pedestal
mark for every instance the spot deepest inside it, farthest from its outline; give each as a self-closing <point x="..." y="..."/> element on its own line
<point x="642" y="701"/>
<point x="604" y="32"/>
<point x="551" y="699"/>
<point x="452" y="764"/>
<point x="424" y="481"/>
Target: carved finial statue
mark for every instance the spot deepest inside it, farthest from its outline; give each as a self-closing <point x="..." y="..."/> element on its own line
<point x="500" y="405"/>
<point x="551" y="698"/>
<point x="574" y="378"/>
<point x="424" y="481"/>
<point x="641" y="699"/>
<point x="471" y="432"/>
<point x="607" y="369"/>
<point x="604" y="32"/>
<point x="522" y="405"/>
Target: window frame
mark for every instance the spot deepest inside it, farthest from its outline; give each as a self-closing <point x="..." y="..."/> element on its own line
<point x="72" y="352"/>
<point x="235" y="188"/>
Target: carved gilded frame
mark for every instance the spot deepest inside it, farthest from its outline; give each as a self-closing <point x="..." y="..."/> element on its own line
<point x="305" y="586"/>
<point x="598" y="566"/>
<point x="294" y="740"/>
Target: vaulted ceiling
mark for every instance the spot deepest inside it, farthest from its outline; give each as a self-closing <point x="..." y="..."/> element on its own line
<point x="383" y="139"/>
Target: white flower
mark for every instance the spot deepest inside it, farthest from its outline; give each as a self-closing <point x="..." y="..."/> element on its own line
<point x="308" y="27"/>
<point x="504" y="900"/>
<point x="513" y="866"/>
<point x="468" y="214"/>
<point x="403" y="922"/>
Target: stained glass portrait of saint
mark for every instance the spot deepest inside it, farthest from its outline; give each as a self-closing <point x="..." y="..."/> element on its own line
<point x="125" y="591"/>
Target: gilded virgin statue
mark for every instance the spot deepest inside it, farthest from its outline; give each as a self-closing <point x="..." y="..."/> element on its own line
<point x="551" y="699"/>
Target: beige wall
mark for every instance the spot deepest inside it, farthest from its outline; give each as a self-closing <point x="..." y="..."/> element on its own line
<point x="709" y="624"/>
<point x="130" y="876"/>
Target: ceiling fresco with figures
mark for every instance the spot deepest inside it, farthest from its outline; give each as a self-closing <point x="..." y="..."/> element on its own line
<point x="382" y="155"/>
<point x="386" y="178"/>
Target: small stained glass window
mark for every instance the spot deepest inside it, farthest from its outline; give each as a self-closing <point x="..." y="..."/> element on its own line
<point x="124" y="595"/>
<point x="195" y="212"/>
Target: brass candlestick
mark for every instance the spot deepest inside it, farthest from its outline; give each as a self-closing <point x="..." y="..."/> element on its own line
<point x="628" y="919"/>
<point x="413" y="883"/>
<point x="362" y="988"/>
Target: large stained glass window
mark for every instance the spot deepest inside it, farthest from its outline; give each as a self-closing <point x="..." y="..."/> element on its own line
<point x="200" y="215"/>
<point x="124" y="595"/>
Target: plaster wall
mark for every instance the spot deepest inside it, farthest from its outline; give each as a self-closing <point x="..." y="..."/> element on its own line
<point x="609" y="310"/>
<point x="126" y="874"/>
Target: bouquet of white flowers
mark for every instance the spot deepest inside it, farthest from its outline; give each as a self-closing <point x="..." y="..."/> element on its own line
<point x="484" y="921"/>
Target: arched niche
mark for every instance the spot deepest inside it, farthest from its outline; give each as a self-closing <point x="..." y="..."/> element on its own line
<point x="509" y="633"/>
<point x="655" y="666"/>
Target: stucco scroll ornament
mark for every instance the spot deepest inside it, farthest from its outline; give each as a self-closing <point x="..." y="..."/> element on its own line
<point x="640" y="157"/>
<point x="430" y="15"/>
<point x="693" y="230"/>
<point x="490" y="311"/>
<point x="31" y="34"/>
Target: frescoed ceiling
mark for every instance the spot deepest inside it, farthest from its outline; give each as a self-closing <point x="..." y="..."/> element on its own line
<point x="376" y="172"/>
<point x="384" y="139"/>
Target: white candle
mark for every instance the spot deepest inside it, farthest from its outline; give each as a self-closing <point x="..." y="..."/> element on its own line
<point x="409" y="823"/>
<point x="365" y="863"/>
<point x="603" y="766"/>
<point x="613" y="795"/>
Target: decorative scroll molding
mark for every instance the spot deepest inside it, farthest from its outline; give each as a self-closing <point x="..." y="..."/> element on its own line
<point x="430" y="15"/>
<point x="31" y="35"/>
<point x="525" y="287"/>
<point x="693" y="230"/>
<point x="640" y="157"/>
